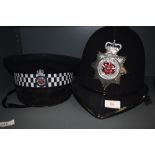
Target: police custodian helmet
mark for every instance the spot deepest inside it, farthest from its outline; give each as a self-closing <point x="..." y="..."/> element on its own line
<point x="41" y="79"/>
<point x="111" y="75"/>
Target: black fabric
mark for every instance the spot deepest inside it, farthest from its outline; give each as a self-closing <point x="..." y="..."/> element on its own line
<point x="38" y="97"/>
<point x="131" y="89"/>
<point x="30" y="63"/>
<point x="44" y="96"/>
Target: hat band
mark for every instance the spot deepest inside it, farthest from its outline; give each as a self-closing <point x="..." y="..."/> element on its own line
<point x="44" y="80"/>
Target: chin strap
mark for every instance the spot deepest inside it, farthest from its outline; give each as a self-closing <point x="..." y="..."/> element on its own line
<point x="147" y="100"/>
<point x="11" y="105"/>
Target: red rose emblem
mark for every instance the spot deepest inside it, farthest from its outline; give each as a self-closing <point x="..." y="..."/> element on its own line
<point x="108" y="68"/>
<point x="41" y="81"/>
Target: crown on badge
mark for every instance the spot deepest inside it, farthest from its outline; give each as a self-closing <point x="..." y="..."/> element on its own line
<point x="113" y="47"/>
<point x="40" y="72"/>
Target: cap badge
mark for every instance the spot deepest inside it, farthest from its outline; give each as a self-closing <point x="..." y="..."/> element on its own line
<point x="109" y="67"/>
<point x="40" y="78"/>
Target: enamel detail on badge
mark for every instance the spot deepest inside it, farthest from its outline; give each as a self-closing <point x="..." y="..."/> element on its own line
<point x="109" y="67"/>
<point x="40" y="78"/>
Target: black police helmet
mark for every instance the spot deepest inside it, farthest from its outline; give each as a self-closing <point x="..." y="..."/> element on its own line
<point x="111" y="75"/>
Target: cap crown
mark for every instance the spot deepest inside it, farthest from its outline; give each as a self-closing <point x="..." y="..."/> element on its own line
<point x="123" y="43"/>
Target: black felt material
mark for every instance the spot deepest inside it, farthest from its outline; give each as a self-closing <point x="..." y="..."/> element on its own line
<point x="44" y="96"/>
<point x="29" y="63"/>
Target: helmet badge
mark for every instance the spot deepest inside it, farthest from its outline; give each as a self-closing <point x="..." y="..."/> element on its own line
<point x="109" y="67"/>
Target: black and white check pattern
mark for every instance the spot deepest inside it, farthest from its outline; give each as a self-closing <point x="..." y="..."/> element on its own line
<point x="52" y="80"/>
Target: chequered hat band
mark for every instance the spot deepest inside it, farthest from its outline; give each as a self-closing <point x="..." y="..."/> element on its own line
<point x="43" y="80"/>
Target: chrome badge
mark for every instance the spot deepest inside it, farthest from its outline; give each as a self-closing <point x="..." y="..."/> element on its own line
<point x="109" y="67"/>
<point x="40" y="78"/>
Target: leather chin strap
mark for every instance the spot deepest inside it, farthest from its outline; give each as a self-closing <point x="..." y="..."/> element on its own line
<point x="11" y="105"/>
<point x="147" y="100"/>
